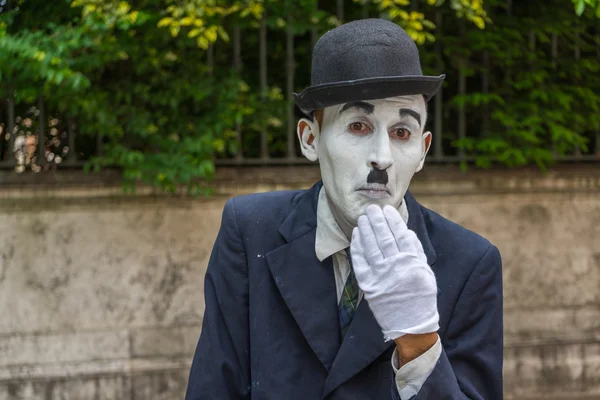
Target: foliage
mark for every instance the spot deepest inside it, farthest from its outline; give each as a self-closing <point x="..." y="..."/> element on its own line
<point x="539" y="104"/>
<point x="418" y="26"/>
<point x="121" y="74"/>
<point x="580" y="6"/>
<point x="155" y="78"/>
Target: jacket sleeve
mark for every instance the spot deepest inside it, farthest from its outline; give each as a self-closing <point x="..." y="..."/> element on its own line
<point x="470" y="365"/>
<point x="220" y="368"/>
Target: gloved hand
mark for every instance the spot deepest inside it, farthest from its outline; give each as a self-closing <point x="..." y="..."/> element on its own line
<point x="392" y="271"/>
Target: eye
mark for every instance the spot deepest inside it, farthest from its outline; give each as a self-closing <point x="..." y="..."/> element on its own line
<point x="359" y="127"/>
<point x="401" y="133"/>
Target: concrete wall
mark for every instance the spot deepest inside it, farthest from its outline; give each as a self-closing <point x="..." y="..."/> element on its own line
<point x="101" y="294"/>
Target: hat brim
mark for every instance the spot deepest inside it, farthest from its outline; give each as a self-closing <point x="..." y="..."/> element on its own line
<point x="329" y="94"/>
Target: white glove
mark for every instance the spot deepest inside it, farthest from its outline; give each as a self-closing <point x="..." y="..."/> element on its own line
<point x="392" y="271"/>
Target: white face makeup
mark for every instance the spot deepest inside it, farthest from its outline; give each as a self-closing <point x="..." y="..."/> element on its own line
<point x="368" y="152"/>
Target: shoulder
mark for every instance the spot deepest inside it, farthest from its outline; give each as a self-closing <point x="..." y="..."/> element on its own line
<point x="467" y="267"/>
<point x="452" y="240"/>
<point x="439" y="226"/>
<point x="260" y="208"/>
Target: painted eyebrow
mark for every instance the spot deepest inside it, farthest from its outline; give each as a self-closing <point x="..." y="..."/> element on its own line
<point x="368" y="108"/>
<point x="407" y="112"/>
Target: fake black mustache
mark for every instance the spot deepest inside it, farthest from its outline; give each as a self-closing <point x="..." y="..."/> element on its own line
<point x="378" y="176"/>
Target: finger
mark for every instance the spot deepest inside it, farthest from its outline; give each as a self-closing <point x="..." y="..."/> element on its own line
<point x="399" y="230"/>
<point x="383" y="234"/>
<point x="406" y="239"/>
<point x="394" y="220"/>
<point x="359" y="262"/>
<point x="417" y="245"/>
<point x="368" y="241"/>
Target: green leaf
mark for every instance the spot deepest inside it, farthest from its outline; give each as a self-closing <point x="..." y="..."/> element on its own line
<point x="165" y="22"/>
<point x="579" y="7"/>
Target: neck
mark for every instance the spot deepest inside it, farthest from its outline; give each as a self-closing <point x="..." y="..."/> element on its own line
<point x="345" y="225"/>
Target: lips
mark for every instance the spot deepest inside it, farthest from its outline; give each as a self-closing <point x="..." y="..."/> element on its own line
<point x="375" y="191"/>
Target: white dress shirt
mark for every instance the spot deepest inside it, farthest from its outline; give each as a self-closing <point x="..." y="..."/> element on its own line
<point x="331" y="241"/>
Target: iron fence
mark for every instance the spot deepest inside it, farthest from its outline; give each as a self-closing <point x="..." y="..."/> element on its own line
<point x="31" y="138"/>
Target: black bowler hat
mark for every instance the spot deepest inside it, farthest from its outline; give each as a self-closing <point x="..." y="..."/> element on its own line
<point x="365" y="60"/>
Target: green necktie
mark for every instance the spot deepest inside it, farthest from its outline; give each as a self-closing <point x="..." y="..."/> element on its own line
<point x="349" y="301"/>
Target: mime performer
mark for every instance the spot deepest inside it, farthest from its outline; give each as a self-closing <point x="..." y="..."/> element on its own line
<point x="351" y="289"/>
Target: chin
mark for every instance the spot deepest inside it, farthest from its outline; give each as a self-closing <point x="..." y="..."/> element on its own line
<point x="357" y="204"/>
<point x="360" y="208"/>
<point x="387" y="200"/>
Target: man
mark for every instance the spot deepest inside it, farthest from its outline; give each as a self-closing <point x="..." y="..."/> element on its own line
<point x="351" y="289"/>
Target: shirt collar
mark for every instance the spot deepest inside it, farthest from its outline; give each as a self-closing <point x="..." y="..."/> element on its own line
<point x="329" y="236"/>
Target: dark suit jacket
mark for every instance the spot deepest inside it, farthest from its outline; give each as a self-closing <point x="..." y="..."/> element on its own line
<point x="271" y="329"/>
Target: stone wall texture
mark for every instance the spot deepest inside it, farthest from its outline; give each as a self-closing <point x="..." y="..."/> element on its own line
<point x="101" y="294"/>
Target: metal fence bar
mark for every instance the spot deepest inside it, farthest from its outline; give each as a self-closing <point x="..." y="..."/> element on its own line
<point x="462" y="90"/>
<point x="99" y="145"/>
<point x="364" y="12"/>
<point x="72" y="153"/>
<point x="264" y="148"/>
<point x="313" y="30"/>
<point x="41" y="149"/>
<point x="11" y="129"/>
<point x="3" y="142"/>
<point x="598" y="56"/>
<point x="462" y="117"/>
<point x="509" y="13"/>
<point x="438" y="149"/>
<point x="532" y="40"/>
<point x="577" y="59"/>
<point x="532" y="49"/>
<point x="289" y="87"/>
<point x="260" y="161"/>
<point x="554" y="49"/>
<point x="554" y="55"/>
<point x="598" y="142"/>
<point x="237" y="48"/>
<point x="485" y="89"/>
<point x="210" y="59"/>
<point x="339" y="8"/>
<point x="237" y="65"/>
<point x="577" y="158"/>
<point x="443" y="160"/>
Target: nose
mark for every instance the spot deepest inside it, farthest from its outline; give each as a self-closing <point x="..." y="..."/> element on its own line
<point x="381" y="154"/>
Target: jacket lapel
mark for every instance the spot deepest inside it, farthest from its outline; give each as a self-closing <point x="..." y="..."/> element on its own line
<point x="364" y="342"/>
<point x="417" y="223"/>
<point x="306" y="284"/>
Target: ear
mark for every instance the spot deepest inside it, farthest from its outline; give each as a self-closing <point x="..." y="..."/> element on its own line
<point x="308" y="135"/>
<point x="426" y="145"/>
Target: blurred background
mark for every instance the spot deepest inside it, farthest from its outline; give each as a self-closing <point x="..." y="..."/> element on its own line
<point x="126" y="125"/>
